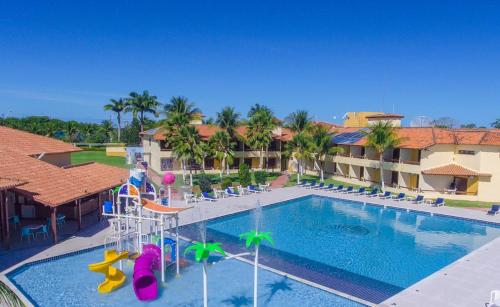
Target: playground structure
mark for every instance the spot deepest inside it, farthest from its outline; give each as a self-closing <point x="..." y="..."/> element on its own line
<point x="142" y="228"/>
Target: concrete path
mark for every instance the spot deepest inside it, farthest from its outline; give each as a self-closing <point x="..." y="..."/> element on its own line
<point x="280" y="181"/>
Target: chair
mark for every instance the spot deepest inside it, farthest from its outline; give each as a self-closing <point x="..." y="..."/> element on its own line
<point x="311" y="185"/>
<point x="373" y="193"/>
<point x="27" y="233"/>
<point x="438" y="202"/>
<point x="418" y="200"/>
<point x="399" y="197"/>
<point x="348" y="190"/>
<point x="302" y="183"/>
<point x="360" y="191"/>
<point x="252" y="189"/>
<point x="319" y="187"/>
<point x="206" y="196"/>
<point x="494" y="209"/>
<point x="386" y="195"/>
<point x="328" y="188"/>
<point x="43" y="231"/>
<point x="265" y="187"/>
<point x="230" y="192"/>
<point x="338" y="189"/>
<point x="107" y="206"/>
<point x="189" y="197"/>
<point x="494" y="299"/>
<point x="15" y="221"/>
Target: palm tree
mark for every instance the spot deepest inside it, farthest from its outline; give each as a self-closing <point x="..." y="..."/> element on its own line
<point x="298" y="121"/>
<point x="181" y="106"/>
<point x="186" y="147"/>
<point x="260" y="132"/>
<point x="496" y="124"/>
<point x="206" y="151"/>
<point x="381" y="136"/>
<point x="228" y="120"/>
<point x="71" y="129"/>
<point x="141" y="104"/>
<point x="257" y="108"/>
<point x="107" y="128"/>
<point x="321" y="147"/>
<point x="202" y="252"/>
<point x="300" y="149"/>
<point x="8" y="297"/>
<point x="117" y="106"/>
<point x="255" y="238"/>
<point x="222" y="146"/>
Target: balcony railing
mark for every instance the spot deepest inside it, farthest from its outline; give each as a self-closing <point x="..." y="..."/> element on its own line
<point x="410" y="162"/>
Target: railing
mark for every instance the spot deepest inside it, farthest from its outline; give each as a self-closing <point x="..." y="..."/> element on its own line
<point x="410" y="162"/>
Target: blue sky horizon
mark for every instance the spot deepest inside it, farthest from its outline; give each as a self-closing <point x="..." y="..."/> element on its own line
<point x="66" y="59"/>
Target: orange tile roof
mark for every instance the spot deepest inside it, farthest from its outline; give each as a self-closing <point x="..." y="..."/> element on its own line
<point x="31" y="144"/>
<point x="8" y="183"/>
<point x="453" y="170"/>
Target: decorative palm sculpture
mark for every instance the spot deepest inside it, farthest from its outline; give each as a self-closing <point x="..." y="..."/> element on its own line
<point x="255" y="238"/>
<point x="202" y="252"/>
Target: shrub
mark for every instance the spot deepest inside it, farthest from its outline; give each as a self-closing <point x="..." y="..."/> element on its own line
<point x="260" y="177"/>
<point x="244" y="176"/>
<point x="226" y="182"/>
<point x="205" y="183"/>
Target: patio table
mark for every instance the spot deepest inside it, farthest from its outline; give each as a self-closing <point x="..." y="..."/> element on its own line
<point x="33" y="227"/>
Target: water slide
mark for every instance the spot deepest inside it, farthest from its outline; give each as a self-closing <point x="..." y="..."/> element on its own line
<point x="144" y="280"/>
<point x="114" y="278"/>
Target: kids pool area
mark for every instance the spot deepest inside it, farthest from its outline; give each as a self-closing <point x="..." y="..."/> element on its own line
<point x="362" y="250"/>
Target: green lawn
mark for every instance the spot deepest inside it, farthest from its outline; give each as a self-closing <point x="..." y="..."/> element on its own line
<point x="449" y="202"/>
<point x="97" y="156"/>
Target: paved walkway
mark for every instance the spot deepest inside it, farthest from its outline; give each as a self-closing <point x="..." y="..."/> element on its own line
<point x="280" y="181"/>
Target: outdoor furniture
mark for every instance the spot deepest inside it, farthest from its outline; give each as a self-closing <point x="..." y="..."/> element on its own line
<point x="230" y="192"/>
<point x="44" y="231"/>
<point x="107" y="206"/>
<point x="399" y="197"/>
<point x="494" y="299"/>
<point x="494" y="209"/>
<point x="265" y="187"/>
<point x="338" y="189"/>
<point x="348" y="190"/>
<point x="360" y="191"/>
<point x="318" y="187"/>
<point x="219" y="193"/>
<point x="60" y="220"/>
<point x="189" y="197"/>
<point x="439" y="202"/>
<point x="15" y="221"/>
<point x="241" y="190"/>
<point x="252" y="189"/>
<point x="29" y="231"/>
<point x="312" y="184"/>
<point x="373" y="193"/>
<point x="386" y="195"/>
<point x="417" y="200"/>
<point x="329" y="187"/>
<point x="206" y="196"/>
<point x="302" y="183"/>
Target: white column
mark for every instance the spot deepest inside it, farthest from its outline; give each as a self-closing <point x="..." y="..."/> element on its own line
<point x="177" y="268"/>
<point x="162" y="234"/>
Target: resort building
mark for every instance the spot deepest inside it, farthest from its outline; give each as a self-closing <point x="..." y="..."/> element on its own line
<point x="39" y="186"/>
<point x="365" y="119"/>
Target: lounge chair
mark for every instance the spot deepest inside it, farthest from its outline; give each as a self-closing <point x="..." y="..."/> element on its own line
<point x="230" y="192"/>
<point x="494" y="210"/>
<point x="372" y="193"/>
<point x="302" y="183"/>
<point x="265" y="187"/>
<point x="206" y="196"/>
<point x="338" y="189"/>
<point x="386" y="195"/>
<point x="328" y="187"/>
<point x="189" y="198"/>
<point x="319" y="187"/>
<point x="438" y="202"/>
<point x="253" y="189"/>
<point x="360" y="191"/>
<point x="311" y="185"/>
<point x="399" y="197"/>
<point x="348" y="190"/>
<point x="418" y="200"/>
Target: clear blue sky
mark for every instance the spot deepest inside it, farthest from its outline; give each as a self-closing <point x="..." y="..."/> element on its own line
<point x="437" y="58"/>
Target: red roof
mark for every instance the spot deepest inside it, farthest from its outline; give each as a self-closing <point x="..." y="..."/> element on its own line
<point x="453" y="170"/>
<point x="8" y="183"/>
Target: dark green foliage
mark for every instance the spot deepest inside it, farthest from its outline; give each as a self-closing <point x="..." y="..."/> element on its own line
<point x="205" y="183"/>
<point x="244" y="175"/>
<point x="260" y="177"/>
<point x="226" y="182"/>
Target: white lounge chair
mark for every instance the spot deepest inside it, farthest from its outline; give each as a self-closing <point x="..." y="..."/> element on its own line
<point x="494" y="299"/>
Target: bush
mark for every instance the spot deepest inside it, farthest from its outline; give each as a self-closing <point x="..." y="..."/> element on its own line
<point x="244" y="176"/>
<point x="205" y="183"/>
<point x="226" y="182"/>
<point x="260" y="177"/>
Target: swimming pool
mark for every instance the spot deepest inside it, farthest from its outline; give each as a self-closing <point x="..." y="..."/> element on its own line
<point x="66" y="281"/>
<point x="363" y="250"/>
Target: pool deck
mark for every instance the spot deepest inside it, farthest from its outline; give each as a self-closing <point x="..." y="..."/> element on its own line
<point x="466" y="282"/>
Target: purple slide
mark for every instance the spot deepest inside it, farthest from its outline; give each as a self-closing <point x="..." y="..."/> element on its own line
<point x="144" y="280"/>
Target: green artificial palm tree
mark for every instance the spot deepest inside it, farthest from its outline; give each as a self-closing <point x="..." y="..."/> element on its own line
<point x="300" y="149"/>
<point x="222" y="146"/>
<point x="298" y="121"/>
<point x="228" y="120"/>
<point x="117" y="106"/>
<point x="202" y="252"/>
<point x="321" y="147"/>
<point x="141" y="104"/>
<point x="186" y="147"/>
<point x="260" y="132"/>
<point x="382" y="136"/>
<point x="255" y="238"/>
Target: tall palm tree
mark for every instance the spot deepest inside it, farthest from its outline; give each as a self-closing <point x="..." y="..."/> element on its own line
<point x="72" y="129"/>
<point x="382" y="136"/>
<point x="222" y="146"/>
<point x="298" y="121"/>
<point x="257" y="108"/>
<point x="186" y="148"/>
<point x="260" y="132"/>
<point x="107" y="128"/>
<point x="300" y="149"/>
<point x="180" y="105"/>
<point x="321" y="146"/>
<point x="228" y="120"/>
<point x="117" y="106"/>
<point x="141" y="104"/>
<point x="206" y="152"/>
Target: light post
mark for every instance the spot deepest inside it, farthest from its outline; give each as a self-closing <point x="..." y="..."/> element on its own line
<point x="168" y="180"/>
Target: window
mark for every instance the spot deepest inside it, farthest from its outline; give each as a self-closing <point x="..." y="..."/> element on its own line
<point x="466" y="152"/>
<point x="167" y="164"/>
<point x="165" y="146"/>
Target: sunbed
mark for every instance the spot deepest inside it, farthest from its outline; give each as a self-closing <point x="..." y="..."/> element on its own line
<point x="494" y="210"/>
<point x="206" y="196"/>
<point x="386" y="195"/>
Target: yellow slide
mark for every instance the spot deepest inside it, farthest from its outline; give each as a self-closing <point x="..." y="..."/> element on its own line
<point x="114" y="278"/>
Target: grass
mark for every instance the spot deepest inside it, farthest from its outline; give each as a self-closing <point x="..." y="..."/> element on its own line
<point x="97" y="156"/>
<point x="449" y="202"/>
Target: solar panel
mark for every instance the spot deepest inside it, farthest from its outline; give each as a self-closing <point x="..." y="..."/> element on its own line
<point x="348" y="137"/>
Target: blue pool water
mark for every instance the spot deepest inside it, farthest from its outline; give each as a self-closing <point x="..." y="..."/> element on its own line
<point x="67" y="282"/>
<point x="364" y="250"/>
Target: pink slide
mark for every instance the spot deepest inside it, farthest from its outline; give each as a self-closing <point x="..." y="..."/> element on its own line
<point x="144" y="280"/>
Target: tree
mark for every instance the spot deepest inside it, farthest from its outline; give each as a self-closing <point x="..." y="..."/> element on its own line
<point x="260" y="132"/>
<point x="202" y="252"/>
<point x="244" y="176"/>
<point x="445" y="122"/>
<point x="222" y="145"/>
<point x="255" y="238"/>
<point x="107" y="129"/>
<point x="258" y="108"/>
<point x="468" y="126"/>
<point x="298" y="121"/>
<point x="299" y="148"/>
<point x="228" y="120"/>
<point x="206" y="152"/>
<point x="117" y="106"/>
<point x="71" y="129"/>
<point x="141" y="104"/>
<point x="186" y="147"/>
<point x="496" y="124"/>
<point x="381" y="136"/>
<point x="9" y="297"/>
<point x="182" y="107"/>
<point x="321" y="146"/>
